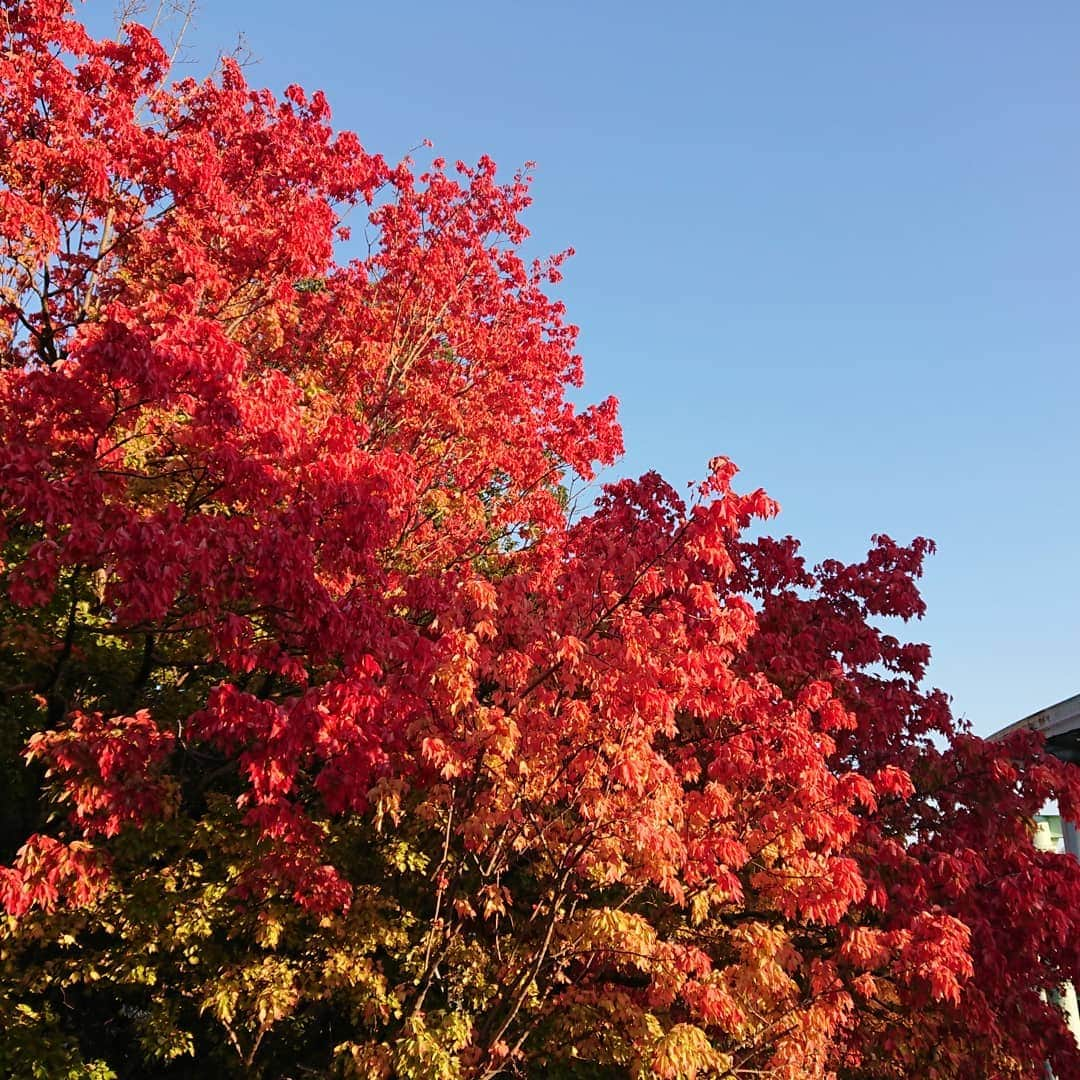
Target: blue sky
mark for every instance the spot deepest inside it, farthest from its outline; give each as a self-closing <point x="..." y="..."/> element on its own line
<point x="838" y="243"/>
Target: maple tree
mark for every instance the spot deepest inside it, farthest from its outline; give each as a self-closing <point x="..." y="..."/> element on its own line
<point x="335" y="745"/>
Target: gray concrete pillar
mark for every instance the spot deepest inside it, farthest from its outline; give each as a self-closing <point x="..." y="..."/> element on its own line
<point x="1071" y="835"/>
<point x="1043" y="839"/>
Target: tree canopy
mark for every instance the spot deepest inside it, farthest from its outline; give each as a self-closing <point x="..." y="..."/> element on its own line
<point x="334" y="744"/>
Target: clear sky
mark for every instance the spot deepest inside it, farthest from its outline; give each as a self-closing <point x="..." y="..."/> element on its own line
<point x="838" y="242"/>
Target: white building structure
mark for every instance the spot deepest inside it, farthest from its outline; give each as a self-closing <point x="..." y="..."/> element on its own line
<point x="1060" y="724"/>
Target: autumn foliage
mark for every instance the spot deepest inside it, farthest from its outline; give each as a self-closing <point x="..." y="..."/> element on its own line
<point x="334" y="744"/>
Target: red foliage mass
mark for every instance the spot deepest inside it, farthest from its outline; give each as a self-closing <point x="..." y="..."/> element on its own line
<point x="329" y="498"/>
